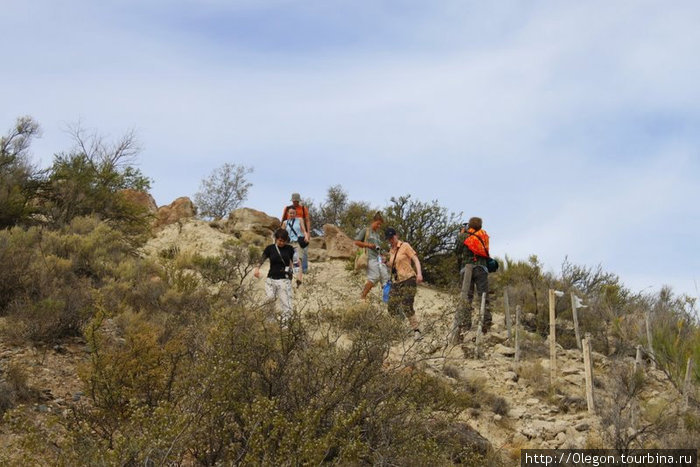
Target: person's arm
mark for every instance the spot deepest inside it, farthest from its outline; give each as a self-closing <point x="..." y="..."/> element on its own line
<point x="307" y="220"/>
<point x="284" y="225"/>
<point x="363" y="243"/>
<point x="419" y="273"/>
<point x="304" y="232"/>
<point x="284" y="213"/>
<point x="256" y="271"/>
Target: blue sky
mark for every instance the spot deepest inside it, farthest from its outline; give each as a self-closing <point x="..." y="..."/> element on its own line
<point x="570" y="127"/>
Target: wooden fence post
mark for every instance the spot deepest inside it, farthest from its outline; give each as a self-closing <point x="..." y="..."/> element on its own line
<point x="552" y="339"/>
<point x="574" y="312"/>
<point x="638" y="364"/>
<point x="482" y="311"/>
<point x="507" y="307"/>
<point x="588" y="367"/>
<point x="687" y="387"/>
<point x="517" y="336"/>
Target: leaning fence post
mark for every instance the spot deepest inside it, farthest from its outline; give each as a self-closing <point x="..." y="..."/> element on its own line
<point x="482" y="310"/>
<point x="574" y="312"/>
<point x="687" y="387"/>
<point x="638" y="359"/>
<point x="506" y="303"/>
<point x="517" y="336"/>
<point x="588" y="369"/>
<point x="552" y="338"/>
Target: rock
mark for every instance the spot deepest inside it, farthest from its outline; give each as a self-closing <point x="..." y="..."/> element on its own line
<point x="532" y="401"/>
<point x="501" y="349"/>
<point x="317" y="243"/>
<point x="317" y="255"/>
<point x="181" y="208"/>
<point x="576" y="380"/>
<point x="494" y="338"/>
<point x="470" y="440"/>
<point x="338" y="245"/>
<point x="561" y="437"/>
<point x="252" y="238"/>
<point x="511" y="376"/>
<point x="42" y="408"/>
<point x="571" y="370"/>
<point x="140" y="198"/>
<point x="250" y="220"/>
<point x="516" y="412"/>
<point x="582" y="426"/>
<point x="77" y="396"/>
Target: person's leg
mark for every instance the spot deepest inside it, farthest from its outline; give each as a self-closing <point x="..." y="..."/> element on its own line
<point x="373" y="274"/>
<point x="395" y="299"/>
<point x="305" y="260"/>
<point x="270" y="289"/>
<point x="481" y="281"/>
<point x="408" y="298"/>
<point x="365" y="291"/>
<point x="297" y="257"/>
<point x="286" y="296"/>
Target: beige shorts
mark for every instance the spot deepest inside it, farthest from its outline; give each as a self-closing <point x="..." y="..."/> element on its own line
<point x="377" y="272"/>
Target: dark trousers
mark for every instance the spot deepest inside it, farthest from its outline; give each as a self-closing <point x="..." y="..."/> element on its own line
<point x="401" y="298"/>
<point x="476" y="279"/>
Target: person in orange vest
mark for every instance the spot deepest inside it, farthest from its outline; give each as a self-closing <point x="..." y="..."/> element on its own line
<point x="303" y="215"/>
<point x="475" y="276"/>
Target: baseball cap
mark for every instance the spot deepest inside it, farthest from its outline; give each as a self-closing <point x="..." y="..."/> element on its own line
<point x="296" y="197"/>
<point x="389" y="232"/>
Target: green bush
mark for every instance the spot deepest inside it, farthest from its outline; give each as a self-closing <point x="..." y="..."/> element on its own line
<point x="53" y="277"/>
<point x="19" y="181"/>
<point x="236" y="389"/>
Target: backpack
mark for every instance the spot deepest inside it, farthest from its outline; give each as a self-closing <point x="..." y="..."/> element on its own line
<point x="491" y="264"/>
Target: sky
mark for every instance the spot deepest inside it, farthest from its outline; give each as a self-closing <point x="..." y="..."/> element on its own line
<point x="570" y="127"/>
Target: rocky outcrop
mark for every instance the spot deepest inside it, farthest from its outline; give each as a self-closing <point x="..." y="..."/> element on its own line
<point x="338" y="245"/>
<point x="180" y="209"/>
<point x="140" y="198"/>
<point x="251" y="226"/>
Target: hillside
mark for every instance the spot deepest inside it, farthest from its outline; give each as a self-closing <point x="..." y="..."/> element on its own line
<point x="511" y="406"/>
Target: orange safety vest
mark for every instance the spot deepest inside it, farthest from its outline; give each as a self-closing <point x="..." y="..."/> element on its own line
<point x="475" y="245"/>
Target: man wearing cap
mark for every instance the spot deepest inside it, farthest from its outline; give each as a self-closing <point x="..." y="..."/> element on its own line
<point x="406" y="279"/>
<point x="304" y="217"/>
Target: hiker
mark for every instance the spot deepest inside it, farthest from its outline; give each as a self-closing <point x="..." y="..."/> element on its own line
<point x="461" y="249"/>
<point x="369" y="238"/>
<point x="405" y="279"/>
<point x="297" y="237"/>
<point x="278" y="284"/>
<point x="304" y="217"/>
<point x="475" y="276"/>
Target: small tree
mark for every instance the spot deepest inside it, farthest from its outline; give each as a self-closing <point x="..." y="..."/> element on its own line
<point x="89" y="179"/>
<point x="338" y="211"/>
<point x="428" y="227"/>
<point x="223" y="191"/>
<point x="18" y="182"/>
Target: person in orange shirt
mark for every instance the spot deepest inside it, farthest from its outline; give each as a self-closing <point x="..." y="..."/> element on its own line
<point x="475" y="276"/>
<point x="405" y="279"/>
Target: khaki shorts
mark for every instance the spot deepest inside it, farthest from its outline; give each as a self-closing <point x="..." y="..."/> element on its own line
<point x="377" y="271"/>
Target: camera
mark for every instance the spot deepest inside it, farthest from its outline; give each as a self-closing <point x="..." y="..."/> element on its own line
<point x="289" y="273"/>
